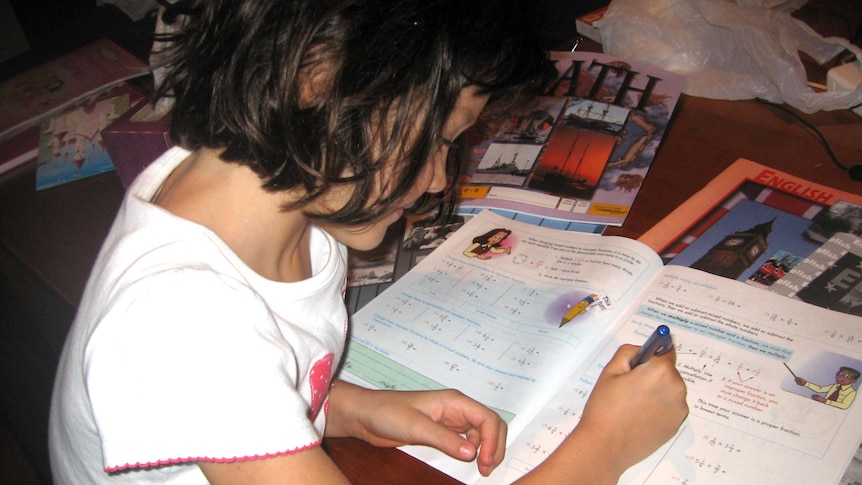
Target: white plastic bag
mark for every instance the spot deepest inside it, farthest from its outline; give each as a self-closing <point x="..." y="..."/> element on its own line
<point x="728" y="49"/>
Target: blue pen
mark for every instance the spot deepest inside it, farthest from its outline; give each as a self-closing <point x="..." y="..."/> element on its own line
<point x="657" y="343"/>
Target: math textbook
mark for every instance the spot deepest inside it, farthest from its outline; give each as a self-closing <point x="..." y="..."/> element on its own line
<point x="579" y="154"/>
<point x="486" y="313"/>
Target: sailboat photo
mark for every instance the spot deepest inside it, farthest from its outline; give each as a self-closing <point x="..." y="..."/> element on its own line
<point x="578" y="149"/>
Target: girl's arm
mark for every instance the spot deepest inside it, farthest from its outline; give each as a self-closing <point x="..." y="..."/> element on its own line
<point x="382" y="418"/>
<point x="469" y="251"/>
<point x="447" y="420"/>
<point x="630" y="413"/>
<point x="500" y="250"/>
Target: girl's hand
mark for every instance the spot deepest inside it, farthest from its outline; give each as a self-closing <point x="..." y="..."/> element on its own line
<point x="447" y="420"/>
<point x="635" y="411"/>
<point x="630" y="413"/>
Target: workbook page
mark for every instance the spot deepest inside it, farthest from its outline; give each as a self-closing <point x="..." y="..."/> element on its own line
<point x="504" y="311"/>
<point x="740" y="351"/>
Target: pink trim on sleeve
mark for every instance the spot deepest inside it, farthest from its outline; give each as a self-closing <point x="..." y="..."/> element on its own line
<point x="180" y="461"/>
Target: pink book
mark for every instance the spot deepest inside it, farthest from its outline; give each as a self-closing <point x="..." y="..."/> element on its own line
<point x="27" y="98"/>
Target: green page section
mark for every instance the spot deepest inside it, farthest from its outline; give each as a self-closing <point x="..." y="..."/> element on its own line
<point x="385" y="373"/>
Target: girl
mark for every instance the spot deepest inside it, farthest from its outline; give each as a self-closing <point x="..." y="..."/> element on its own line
<point x="488" y="243"/>
<point x="213" y="321"/>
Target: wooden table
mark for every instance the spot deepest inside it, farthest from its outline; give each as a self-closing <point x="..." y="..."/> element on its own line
<point x="49" y="240"/>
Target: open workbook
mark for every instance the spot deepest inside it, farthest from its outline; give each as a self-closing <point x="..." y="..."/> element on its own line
<point x="482" y="314"/>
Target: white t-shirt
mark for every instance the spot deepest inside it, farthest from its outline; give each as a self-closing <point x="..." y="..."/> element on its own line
<point x="180" y="352"/>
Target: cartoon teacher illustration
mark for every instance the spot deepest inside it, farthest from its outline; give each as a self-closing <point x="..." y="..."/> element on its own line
<point x="490" y="242"/>
<point x="840" y="394"/>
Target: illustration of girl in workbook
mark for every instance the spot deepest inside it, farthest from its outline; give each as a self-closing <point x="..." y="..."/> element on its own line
<point x="490" y="242"/>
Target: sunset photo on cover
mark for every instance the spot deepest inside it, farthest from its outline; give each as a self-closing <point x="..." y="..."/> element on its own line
<point x="579" y="148"/>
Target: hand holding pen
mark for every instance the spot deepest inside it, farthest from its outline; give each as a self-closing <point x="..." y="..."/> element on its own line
<point x="637" y="411"/>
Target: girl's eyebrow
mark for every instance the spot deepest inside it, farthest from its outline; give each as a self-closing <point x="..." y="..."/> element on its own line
<point x="449" y="143"/>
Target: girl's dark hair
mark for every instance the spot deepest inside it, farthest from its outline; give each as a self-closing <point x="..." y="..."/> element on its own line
<point x="383" y="75"/>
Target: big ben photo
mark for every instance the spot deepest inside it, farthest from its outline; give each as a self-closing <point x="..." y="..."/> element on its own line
<point x="736" y="251"/>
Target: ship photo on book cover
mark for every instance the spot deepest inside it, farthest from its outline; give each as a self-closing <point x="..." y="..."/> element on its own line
<point x="580" y="153"/>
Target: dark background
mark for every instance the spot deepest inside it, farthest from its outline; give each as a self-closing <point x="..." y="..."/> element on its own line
<point x="55" y="27"/>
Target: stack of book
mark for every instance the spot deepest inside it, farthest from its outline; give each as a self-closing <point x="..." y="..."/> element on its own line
<point x="55" y="112"/>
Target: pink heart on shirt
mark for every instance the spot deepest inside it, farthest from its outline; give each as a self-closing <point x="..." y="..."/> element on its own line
<point x="319" y="378"/>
